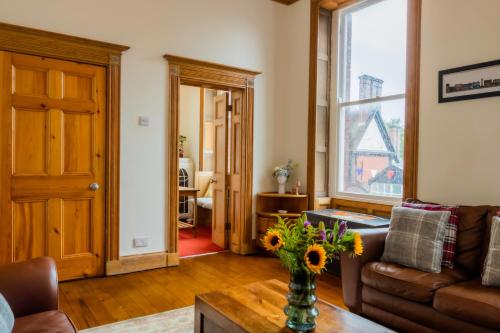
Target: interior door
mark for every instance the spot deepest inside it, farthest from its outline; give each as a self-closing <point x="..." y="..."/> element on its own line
<point x="219" y="196"/>
<point x="52" y="140"/>
<point x="235" y="207"/>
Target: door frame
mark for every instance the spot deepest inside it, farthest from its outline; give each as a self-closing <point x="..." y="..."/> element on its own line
<point x="204" y="74"/>
<point x="42" y="43"/>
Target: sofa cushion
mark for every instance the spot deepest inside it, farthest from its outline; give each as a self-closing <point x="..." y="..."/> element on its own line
<point x="415" y="238"/>
<point x="450" y="232"/>
<point x="409" y="283"/>
<point x="470" y="301"/>
<point x="491" y="272"/>
<point x="421" y="313"/>
<point x="470" y="237"/>
<point x="492" y="212"/>
<point x="44" y="322"/>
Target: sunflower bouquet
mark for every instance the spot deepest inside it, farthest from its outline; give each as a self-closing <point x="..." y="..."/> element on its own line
<point x="304" y="247"/>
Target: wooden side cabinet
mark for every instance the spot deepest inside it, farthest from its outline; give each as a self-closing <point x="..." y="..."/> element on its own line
<point x="268" y="204"/>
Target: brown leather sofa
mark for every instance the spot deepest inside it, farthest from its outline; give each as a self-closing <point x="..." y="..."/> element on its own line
<point x="409" y="300"/>
<point x="32" y="291"/>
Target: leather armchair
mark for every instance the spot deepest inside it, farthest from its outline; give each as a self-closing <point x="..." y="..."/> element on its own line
<point x="32" y="291"/>
<point x="373" y="243"/>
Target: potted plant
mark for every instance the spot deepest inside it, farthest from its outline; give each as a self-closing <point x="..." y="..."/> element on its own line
<point x="305" y="250"/>
<point x="282" y="172"/>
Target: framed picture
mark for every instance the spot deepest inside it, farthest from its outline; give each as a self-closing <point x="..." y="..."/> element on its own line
<point x="470" y="82"/>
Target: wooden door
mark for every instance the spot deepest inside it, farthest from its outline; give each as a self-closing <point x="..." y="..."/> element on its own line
<point x="219" y="196"/>
<point x="52" y="140"/>
<point x="235" y="197"/>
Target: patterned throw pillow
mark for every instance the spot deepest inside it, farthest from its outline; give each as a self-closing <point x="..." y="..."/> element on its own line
<point x="491" y="272"/>
<point x="450" y="233"/>
<point x="415" y="238"/>
<point x="6" y="316"/>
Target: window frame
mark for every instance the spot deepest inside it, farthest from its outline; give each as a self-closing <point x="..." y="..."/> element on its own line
<point x="411" y="96"/>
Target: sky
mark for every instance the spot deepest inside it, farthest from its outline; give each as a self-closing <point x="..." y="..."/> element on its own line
<point x="379" y="49"/>
<point x="379" y="45"/>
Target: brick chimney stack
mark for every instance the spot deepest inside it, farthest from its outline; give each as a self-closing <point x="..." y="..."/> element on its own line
<point x="370" y="87"/>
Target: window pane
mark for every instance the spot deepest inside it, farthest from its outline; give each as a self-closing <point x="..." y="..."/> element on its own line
<point x="371" y="148"/>
<point x="373" y="50"/>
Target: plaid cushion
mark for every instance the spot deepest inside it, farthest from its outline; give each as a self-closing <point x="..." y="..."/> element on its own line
<point x="491" y="272"/>
<point x="450" y="238"/>
<point x="415" y="238"/>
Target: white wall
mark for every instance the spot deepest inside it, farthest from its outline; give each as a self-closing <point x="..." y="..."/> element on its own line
<point x="233" y="32"/>
<point x="459" y="160"/>
<point x="292" y="88"/>
<point x="459" y="154"/>
<point x="189" y="122"/>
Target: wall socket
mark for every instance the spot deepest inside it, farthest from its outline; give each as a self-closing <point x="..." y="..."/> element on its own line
<point x="141" y="242"/>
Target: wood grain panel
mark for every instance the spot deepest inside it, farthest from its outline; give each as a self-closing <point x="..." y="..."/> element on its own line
<point x="77" y="226"/>
<point x="362" y="207"/>
<point x="219" y="211"/>
<point x="29" y="142"/>
<point x="30" y="229"/>
<point x="29" y="81"/>
<point x="78" y="143"/>
<point x="26" y="40"/>
<point x="78" y="87"/>
<point x="236" y="156"/>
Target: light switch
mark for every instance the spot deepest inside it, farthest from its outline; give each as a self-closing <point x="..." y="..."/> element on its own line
<point x="144" y="121"/>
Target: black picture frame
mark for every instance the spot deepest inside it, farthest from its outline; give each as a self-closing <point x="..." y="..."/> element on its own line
<point x="475" y="91"/>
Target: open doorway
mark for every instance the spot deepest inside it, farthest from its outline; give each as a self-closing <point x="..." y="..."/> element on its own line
<point x="231" y="191"/>
<point x="204" y="168"/>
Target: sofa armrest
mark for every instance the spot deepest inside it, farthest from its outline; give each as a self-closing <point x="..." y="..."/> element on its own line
<point x="350" y="267"/>
<point x="30" y="286"/>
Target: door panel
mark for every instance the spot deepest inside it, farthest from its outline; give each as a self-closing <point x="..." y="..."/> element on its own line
<point x="219" y="211"/>
<point x="78" y="143"/>
<point x="29" y="81"/>
<point x="29" y="225"/>
<point x="77" y="226"/>
<point x="52" y="124"/>
<point x="30" y="141"/>
<point x="235" y="203"/>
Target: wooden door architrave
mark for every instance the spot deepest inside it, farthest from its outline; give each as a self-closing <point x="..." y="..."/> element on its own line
<point x="210" y="75"/>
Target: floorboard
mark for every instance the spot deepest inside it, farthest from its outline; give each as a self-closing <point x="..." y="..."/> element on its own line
<point x="100" y="301"/>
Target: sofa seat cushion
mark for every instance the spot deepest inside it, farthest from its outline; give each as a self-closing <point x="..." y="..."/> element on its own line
<point x="44" y="322"/>
<point x="470" y="301"/>
<point x="408" y="283"/>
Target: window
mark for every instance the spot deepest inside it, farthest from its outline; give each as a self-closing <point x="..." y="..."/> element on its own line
<point x="368" y="117"/>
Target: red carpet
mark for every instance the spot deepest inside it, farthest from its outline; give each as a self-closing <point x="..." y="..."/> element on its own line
<point x="202" y="243"/>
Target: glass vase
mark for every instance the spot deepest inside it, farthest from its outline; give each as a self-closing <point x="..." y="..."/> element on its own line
<point x="301" y="312"/>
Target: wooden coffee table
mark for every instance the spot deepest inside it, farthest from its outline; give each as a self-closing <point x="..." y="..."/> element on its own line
<point x="258" y="308"/>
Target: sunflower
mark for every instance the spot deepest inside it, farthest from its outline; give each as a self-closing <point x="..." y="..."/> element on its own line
<point x="358" y="244"/>
<point x="272" y="241"/>
<point x="315" y="258"/>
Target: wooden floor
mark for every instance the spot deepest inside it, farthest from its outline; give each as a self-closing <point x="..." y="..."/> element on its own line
<point x="99" y="301"/>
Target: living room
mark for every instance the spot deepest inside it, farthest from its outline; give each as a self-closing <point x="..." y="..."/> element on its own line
<point x="352" y="108"/>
